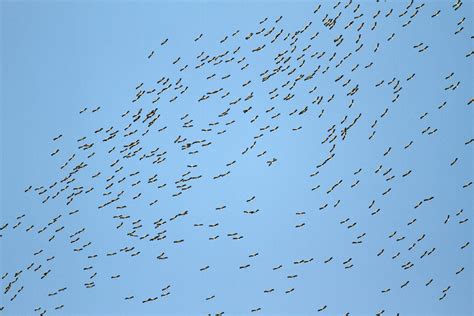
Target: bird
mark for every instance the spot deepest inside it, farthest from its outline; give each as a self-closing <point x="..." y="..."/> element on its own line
<point x="182" y="156"/>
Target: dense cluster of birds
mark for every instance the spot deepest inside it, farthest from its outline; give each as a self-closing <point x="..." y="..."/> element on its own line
<point x="265" y="87"/>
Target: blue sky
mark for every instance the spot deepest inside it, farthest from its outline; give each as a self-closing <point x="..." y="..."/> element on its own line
<point x="61" y="57"/>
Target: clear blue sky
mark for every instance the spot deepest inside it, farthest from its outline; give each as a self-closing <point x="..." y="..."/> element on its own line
<point x="59" y="57"/>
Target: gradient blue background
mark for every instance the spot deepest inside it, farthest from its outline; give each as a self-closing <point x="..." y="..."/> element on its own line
<point x="59" y="57"/>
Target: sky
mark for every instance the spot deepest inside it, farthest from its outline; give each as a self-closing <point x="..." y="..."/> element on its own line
<point x="60" y="57"/>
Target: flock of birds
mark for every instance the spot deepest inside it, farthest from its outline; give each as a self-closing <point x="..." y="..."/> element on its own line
<point x="265" y="87"/>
